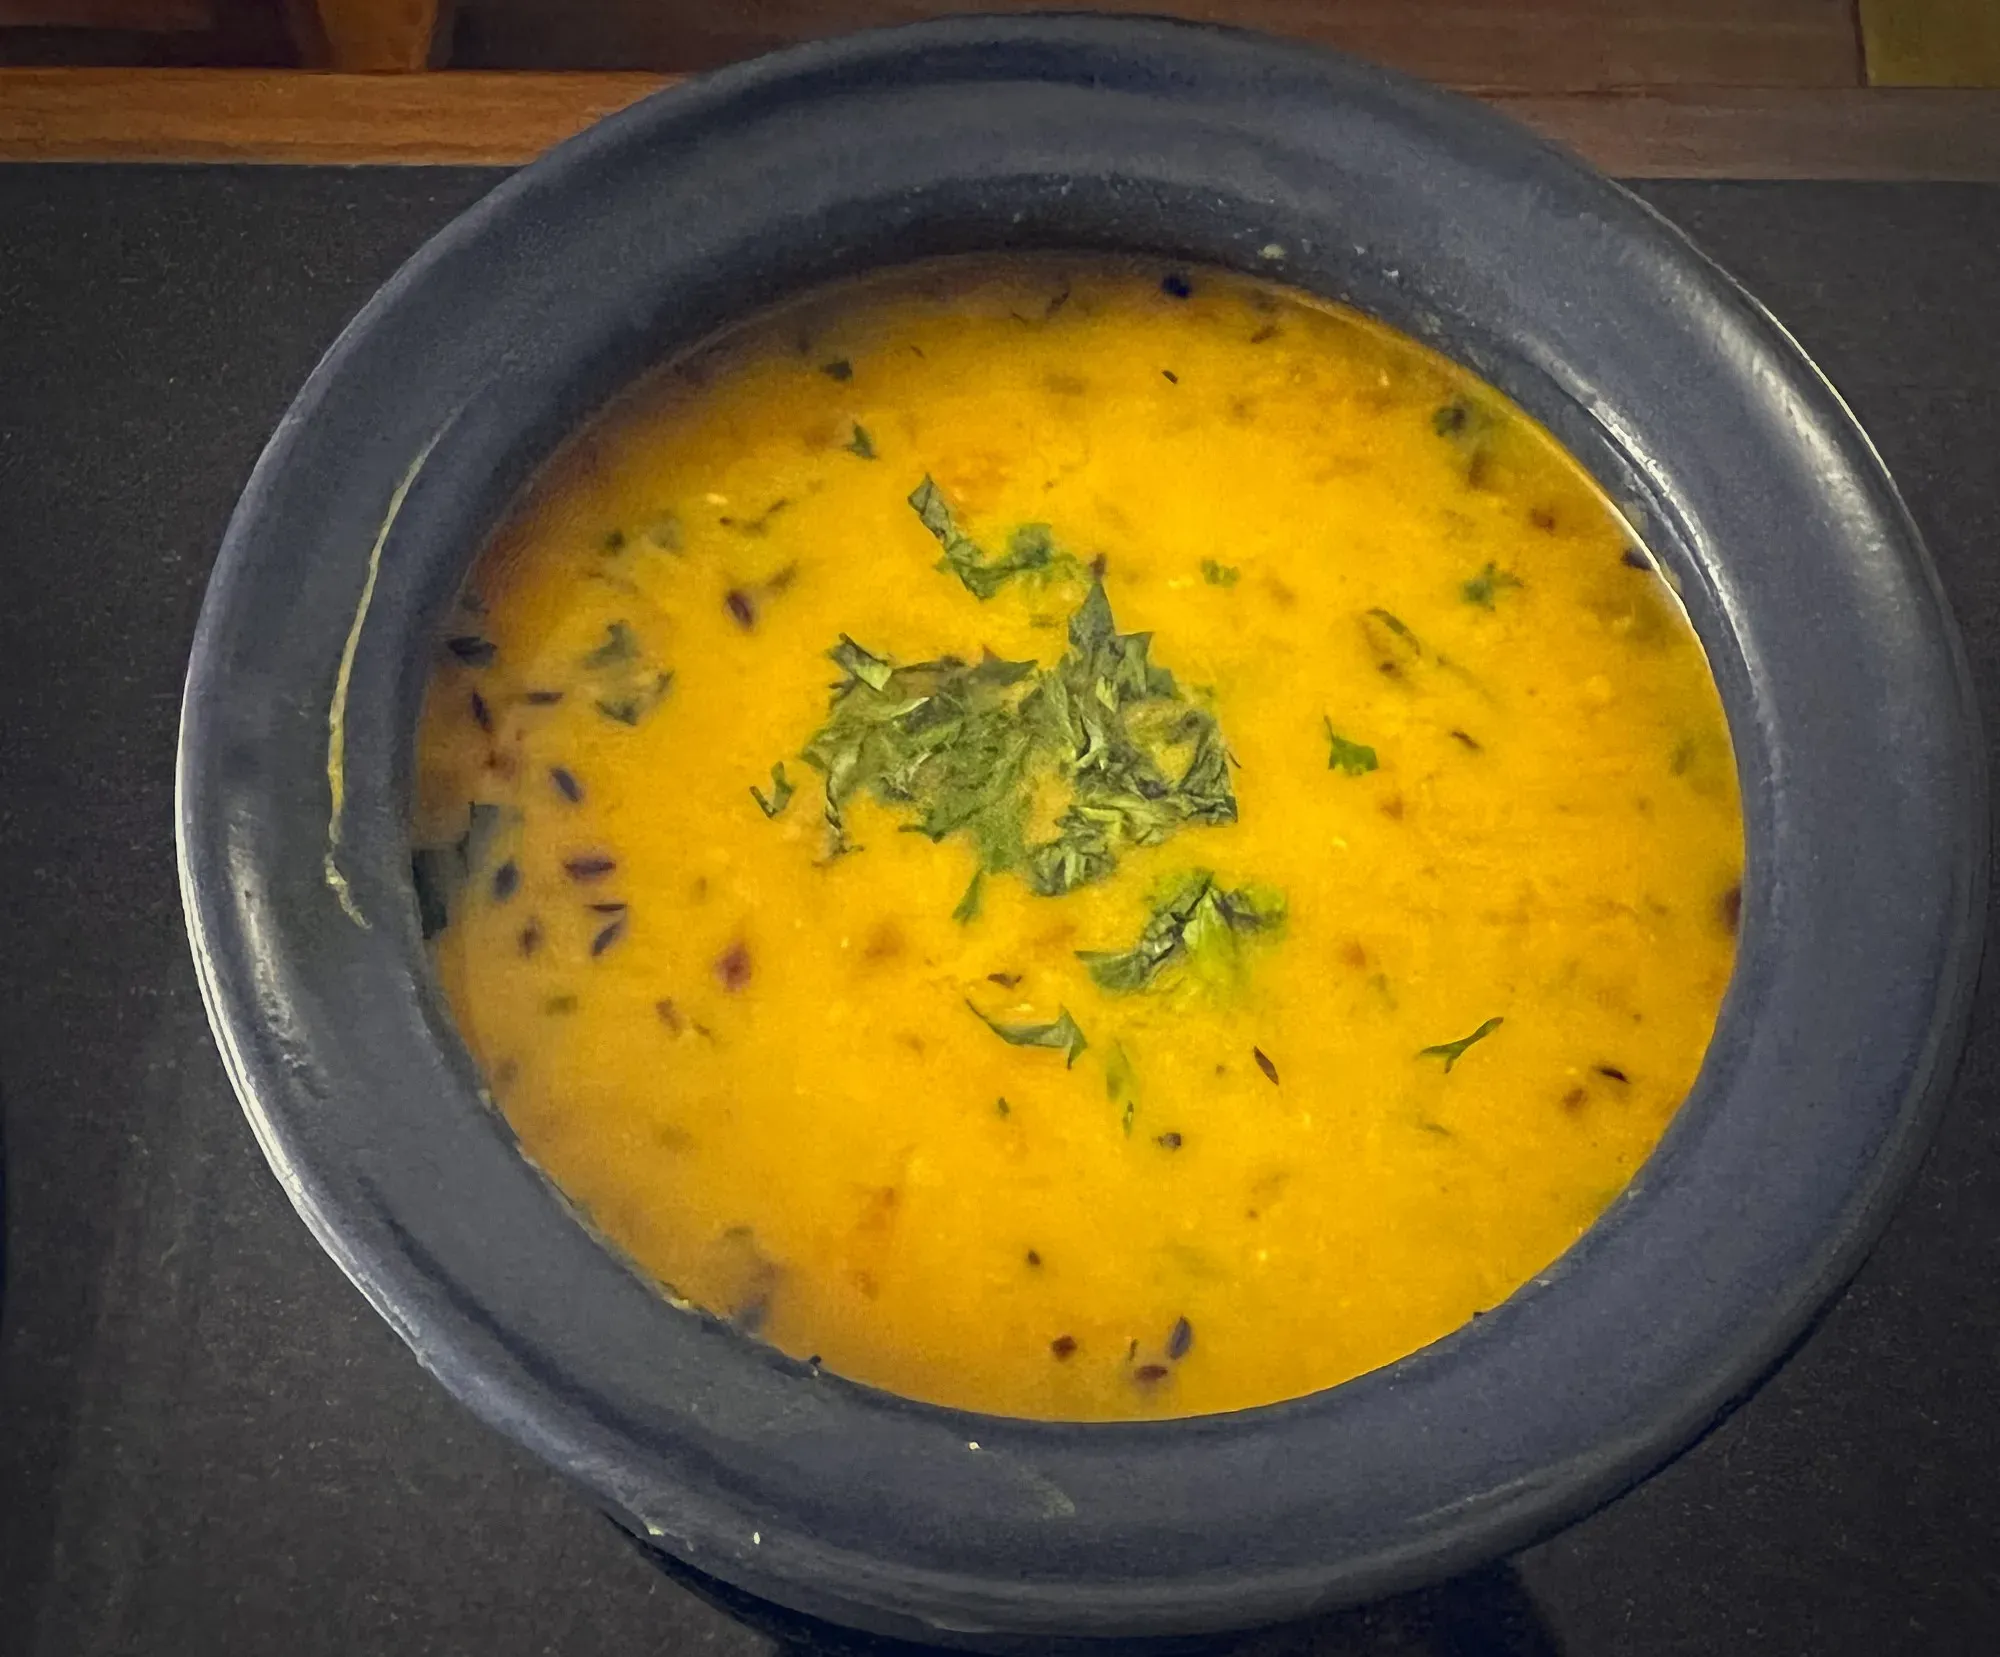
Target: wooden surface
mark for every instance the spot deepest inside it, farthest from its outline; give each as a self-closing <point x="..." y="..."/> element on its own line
<point x="1931" y="42"/>
<point x="1520" y="45"/>
<point x="505" y="119"/>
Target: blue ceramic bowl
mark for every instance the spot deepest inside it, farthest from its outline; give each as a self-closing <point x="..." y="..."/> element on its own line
<point x="1845" y="688"/>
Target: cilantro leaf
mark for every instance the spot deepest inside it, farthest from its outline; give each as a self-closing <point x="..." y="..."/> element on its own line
<point x="1194" y="916"/>
<point x="1031" y="549"/>
<point x="1063" y="1035"/>
<point x="781" y="794"/>
<point x="1106" y="738"/>
<point x="1452" y="1051"/>
<point x="968" y="906"/>
<point x="619" y="646"/>
<point x="1487" y="584"/>
<point x="1355" y="758"/>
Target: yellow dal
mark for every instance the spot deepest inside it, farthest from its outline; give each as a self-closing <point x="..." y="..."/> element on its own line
<point x="766" y="1085"/>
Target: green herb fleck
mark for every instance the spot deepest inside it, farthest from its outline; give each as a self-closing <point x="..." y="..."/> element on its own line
<point x="861" y="443"/>
<point x="630" y="705"/>
<point x="1452" y="1051"/>
<point x="1395" y="648"/>
<point x="781" y="793"/>
<point x="1195" y="916"/>
<point x="1218" y="575"/>
<point x="1063" y="1035"/>
<point x="1357" y="759"/>
<point x="1121" y="1085"/>
<point x="1453" y="419"/>
<point x="1487" y="584"/>
<point x="968" y="906"/>
<point x="619" y="646"/>
<point x="626" y="689"/>
<point x="863" y="665"/>
<point x="1120" y="1080"/>
<point x="1031" y="550"/>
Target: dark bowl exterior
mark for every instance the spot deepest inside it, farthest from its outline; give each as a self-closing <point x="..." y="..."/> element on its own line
<point x="1846" y="690"/>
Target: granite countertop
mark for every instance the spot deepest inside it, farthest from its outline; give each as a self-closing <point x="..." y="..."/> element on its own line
<point x="209" y="1444"/>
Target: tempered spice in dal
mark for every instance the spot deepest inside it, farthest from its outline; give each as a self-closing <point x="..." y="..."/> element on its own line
<point x="1078" y="841"/>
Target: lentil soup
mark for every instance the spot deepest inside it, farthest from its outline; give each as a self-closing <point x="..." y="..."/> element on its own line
<point x="1077" y="840"/>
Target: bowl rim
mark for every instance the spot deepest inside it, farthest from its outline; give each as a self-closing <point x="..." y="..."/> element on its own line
<point x="1806" y="581"/>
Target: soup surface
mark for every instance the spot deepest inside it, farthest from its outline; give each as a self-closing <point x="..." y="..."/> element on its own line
<point x="1078" y="841"/>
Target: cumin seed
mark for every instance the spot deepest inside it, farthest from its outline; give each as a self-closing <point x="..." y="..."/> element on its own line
<point x="1150" y="1374"/>
<point x="588" y="866"/>
<point x="530" y="938"/>
<point x="506" y="881"/>
<point x="472" y="650"/>
<point x="732" y="966"/>
<point x="566" y="784"/>
<point x="1179" y="1339"/>
<point x="1063" y="1346"/>
<point x="607" y="936"/>
<point x="482" y="715"/>
<point x="741" y="607"/>
<point x="1264" y="1064"/>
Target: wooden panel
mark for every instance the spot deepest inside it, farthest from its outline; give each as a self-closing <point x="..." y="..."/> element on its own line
<point x="1524" y="45"/>
<point x="502" y="119"/>
<point x="1932" y="42"/>
<point x="1860" y="133"/>
<point x="140" y="16"/>
<point x="299" y="116"/>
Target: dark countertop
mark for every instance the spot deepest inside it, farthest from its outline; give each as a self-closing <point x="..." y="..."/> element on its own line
<point x="209" y="1444"/>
